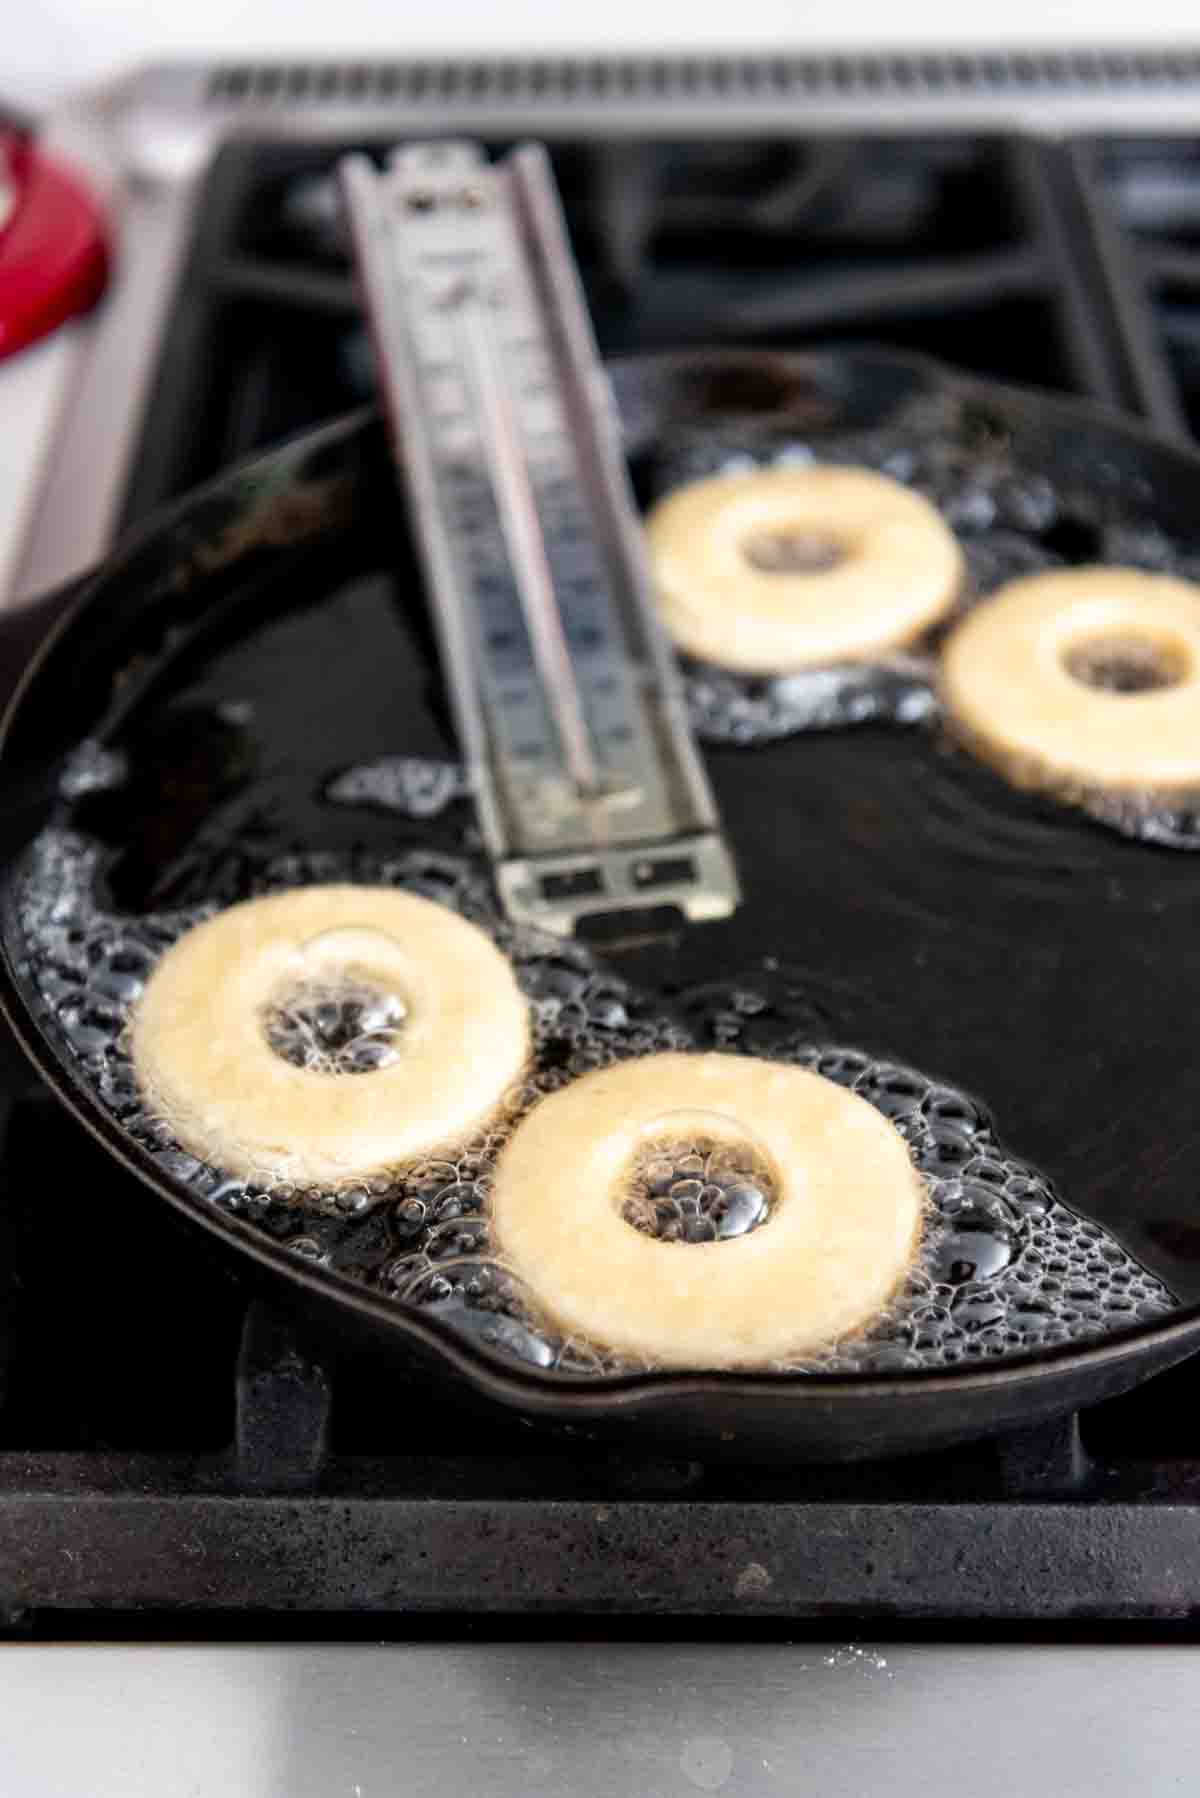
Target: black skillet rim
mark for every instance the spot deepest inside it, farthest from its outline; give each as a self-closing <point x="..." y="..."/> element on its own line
<point x="532" y="1389"/>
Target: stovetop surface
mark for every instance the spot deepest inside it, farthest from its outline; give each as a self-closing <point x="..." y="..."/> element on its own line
<point x="164" y="1441"/>
<point x="1071" y="266"/>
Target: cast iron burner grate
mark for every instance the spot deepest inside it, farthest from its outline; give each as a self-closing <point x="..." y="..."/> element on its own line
<point x="166" y="1446"/>
<point x="169" y="1445"/>
<point x="1004" y="255"/>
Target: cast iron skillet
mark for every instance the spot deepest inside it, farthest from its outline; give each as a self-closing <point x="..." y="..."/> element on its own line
<point x="921" y="907"/>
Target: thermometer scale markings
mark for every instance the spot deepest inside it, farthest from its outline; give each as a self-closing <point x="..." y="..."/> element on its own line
<point x="523" y="718"/>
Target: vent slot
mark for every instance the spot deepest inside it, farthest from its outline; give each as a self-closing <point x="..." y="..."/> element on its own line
<point x="714" y="78"/>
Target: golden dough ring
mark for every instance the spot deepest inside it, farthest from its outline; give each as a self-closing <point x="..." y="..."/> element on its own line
<point x="843" y="1227"/>
<point x="900" y="567"/>
<point x="1008" y="690"/>
<point x="199" y="1048"/>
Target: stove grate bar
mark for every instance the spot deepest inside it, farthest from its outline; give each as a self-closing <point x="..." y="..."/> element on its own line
<point x="1114" y="283"/>
<point x="1108" y="335"/>
<point x="341" y="1550"/>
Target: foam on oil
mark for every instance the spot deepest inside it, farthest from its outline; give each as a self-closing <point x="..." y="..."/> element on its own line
<point x="346" y="1024"/>
<point x="411" y="786"/>
<point x="1005" y="1267"/>
<point x="689" y="1186"/>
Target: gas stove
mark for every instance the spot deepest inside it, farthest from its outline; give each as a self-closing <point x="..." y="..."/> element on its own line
<point x="183" y="1460"/>
<point x="1027" y="214"/>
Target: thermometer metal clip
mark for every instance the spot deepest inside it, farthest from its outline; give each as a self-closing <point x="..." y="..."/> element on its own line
<point x="590" y="794"/>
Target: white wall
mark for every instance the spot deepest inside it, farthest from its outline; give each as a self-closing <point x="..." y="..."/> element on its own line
<point x="52" y="45"/>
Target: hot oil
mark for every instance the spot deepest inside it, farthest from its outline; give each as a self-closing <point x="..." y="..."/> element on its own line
<point x="896" y="895"/>
<point x="699" y="1188"/>
<point x="1010" y="523"/>
<point x="346" y="1024"/>
<point x="1005" y="1267"/>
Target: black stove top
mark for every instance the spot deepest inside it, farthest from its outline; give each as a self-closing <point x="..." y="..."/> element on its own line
<point x="175" y="1448"/>
<point x="1074" y="266"/>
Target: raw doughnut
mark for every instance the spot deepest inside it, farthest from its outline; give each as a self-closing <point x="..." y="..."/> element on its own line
<point x="884" y="566"/>
<point x="203" y="1058"/>
<point x="843" y="1225"/>
<point x="1009" y="689"/>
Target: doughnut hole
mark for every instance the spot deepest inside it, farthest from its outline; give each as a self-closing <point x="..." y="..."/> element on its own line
<point x="784" y="551"/>
<point x="698" y="1176"/>
<point x="338" y="1012"/>
<point x="1128" y="661"/>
